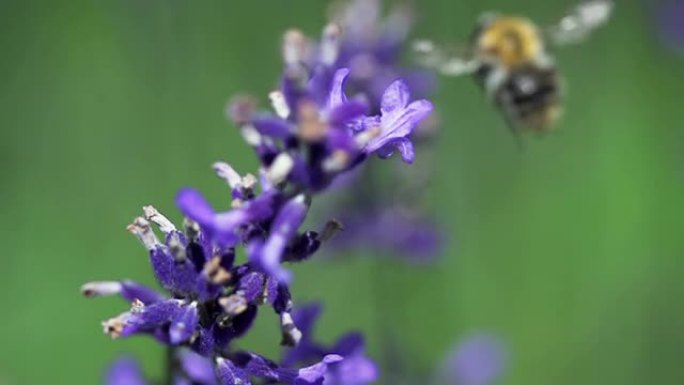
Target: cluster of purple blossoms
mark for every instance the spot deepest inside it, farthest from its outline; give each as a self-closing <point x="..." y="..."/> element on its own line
<point x="396" y="223"/>
<point x="316" y="134"/>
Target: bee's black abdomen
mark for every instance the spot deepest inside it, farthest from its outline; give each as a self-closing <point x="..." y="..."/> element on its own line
<point x="531" y="96"/>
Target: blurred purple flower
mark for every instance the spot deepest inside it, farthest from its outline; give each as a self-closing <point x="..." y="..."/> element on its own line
<point x="480" y="359"/>
<point x="355" y="369"/>
<point x="670" y="20"/>
<point x="371" y="47"/>
<point x="125" y="371"/>
<point x="198" y="369"/>
<point x="398" y="231"/>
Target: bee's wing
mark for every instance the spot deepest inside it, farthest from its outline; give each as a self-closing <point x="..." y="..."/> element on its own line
<point x="581" y="21"/>
<point x="445" y="61"/>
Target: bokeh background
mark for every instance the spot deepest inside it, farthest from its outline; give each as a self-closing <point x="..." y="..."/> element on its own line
<point x="570" y="248"/>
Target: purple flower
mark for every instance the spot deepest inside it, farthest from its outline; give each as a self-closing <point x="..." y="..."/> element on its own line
<point x="125" y="371"/>
<point x="355" y="369"/>
<point x="316" y="136"/>
<point x="198" y="369"/>
<point x="261" y="367"/>
<point x="368" y="46"/>
<point x="395" y="231"/>
<point x="372" y="46"/>
<point x="398" y="120"/>
<point x="480" y="359"/>
<point x="195" y="370"/>
<point x="222" y="227"/>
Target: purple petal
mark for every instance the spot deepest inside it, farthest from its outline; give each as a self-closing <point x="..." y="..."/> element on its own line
<point x="405" y="147"/>
<point x="229" y="374"/>
<point x="252" y="285"/>
<point x="193" y="205"/>
<point x="284" y="227"/>
<point x="337" y="96"/>
<point x="406" y="150"/>
<point x="179" y="277"/>
<point x="272" y="127"/>
<point x="222" y="225"/>
<point x="315" y="374"/>
<point x="318" y="87"/>
<point x="399" y="123"/>
<point x="199" y="369"/>
<point x="258" y="366"/>
<point x="184" y="324"/>
<point x="396" y="97"/>
<point x="159" y="313"/>
<point x="272" y="290"/>
<point x="261" y="207"/>
<point x="132" y="291"/>
<point x="355" y="369"/>
<point x="149" y="318"/>
<point x="163" y="266"/>
<point x="345" y="112"/>
<point x="340" y="139"/>
<point x="125" y="371"/>
<point x="262" y="367"/>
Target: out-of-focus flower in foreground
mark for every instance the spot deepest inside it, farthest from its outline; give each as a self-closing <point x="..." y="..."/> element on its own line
<point x="479" y="359"/>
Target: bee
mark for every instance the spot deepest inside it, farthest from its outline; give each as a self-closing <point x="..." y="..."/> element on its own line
<point x="509" y="58"/>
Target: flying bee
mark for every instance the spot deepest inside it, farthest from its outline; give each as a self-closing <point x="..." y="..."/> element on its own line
<point x="509" y="58"/>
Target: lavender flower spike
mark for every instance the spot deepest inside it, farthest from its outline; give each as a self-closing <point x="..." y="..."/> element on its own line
<point x="315" y="135"/>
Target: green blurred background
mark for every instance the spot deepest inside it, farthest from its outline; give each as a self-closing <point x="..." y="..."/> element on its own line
<point x="569" y="248"/>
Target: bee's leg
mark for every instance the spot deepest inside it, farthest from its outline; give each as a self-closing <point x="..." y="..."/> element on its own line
<point x="504" y="101"/>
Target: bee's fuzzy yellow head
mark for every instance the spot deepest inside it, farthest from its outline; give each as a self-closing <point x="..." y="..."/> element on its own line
<point x="510" y="41"/>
